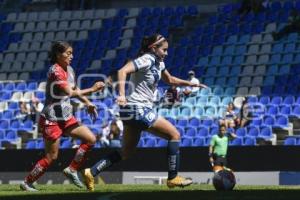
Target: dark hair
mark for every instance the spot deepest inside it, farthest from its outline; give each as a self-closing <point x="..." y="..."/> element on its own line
<point x="222" y="125"/>
<point x="148" y="41"/>
<point x="57" y="47"/>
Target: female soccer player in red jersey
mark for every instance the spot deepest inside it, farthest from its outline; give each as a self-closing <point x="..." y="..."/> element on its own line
<point x="57" y="118"/>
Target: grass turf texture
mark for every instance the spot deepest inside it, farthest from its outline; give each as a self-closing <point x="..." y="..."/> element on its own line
<point x="151" y="192"/>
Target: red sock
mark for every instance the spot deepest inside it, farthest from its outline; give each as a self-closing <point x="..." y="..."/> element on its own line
<point x="80" y="156"/>
<point x="38" y="170"/>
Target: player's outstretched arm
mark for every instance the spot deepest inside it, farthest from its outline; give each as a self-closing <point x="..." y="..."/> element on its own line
<point x="172" y="80"/>
<point x="98" y="86"/>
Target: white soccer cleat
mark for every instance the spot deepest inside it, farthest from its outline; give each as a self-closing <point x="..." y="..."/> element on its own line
<point x="73" y="177"/>
<point x="28" y="187"/>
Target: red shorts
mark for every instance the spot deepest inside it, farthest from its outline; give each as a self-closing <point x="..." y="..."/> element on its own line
<point x="53" y="130"/>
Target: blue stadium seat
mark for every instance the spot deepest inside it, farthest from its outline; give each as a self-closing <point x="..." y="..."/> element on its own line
<point x="252" y="99"/>
<point x="226" y="100"/>
<point x="253" y="131"/>
<point x="213" y="131"/>
<point x="31" y="144"/>
<point x="40" y="95"/>
<point x="214" y="101"/>
<point x="278" y="48"/>
<point x="163" y="112"/>
<point x="235" y="71"/>
<point x="285" y="110"/>
<point x="9" y="87"/>
<point x="269" y="80"/>
<point x="277" y="100"/>
<point x="249" y="141"/>
<point x="256" y="122"/>
<point x="13" y="106"/>
<point x="209" y="81"/>
<point x="233" y="39"/>
<point x="244" y="39"/>
<point x="229" y="91"/>
<point x="194" y="122"/>
<point x="66" y="144"/>
<point x="203" y="131"/>
<point x="272" y="110"/>
<point x="11" y="135"/>
<point x="269" y="120"/>
<point x="241" y="132"/>
<point x="186" y="142"/>
<point x="174" y="112"/>
<point x="172" y="120"/>
<point x="190" y="132"/>
<point x="290" y="141"/>
<point x="211" y="71"/>
<point x="162" y="143"/>
<point x="236" y="142"/>
<point x="265" y="100"/>
<point x="192" y="10"/>
<point x="297" y="5"/>
<point x="218" y="91"/>
<point x="198" y="142"/>
<point x="266" y="133"/>
<point x="293" y="37"/>
<point x="224" y="71"/>
<point x="290" y="48"/>
<point x="8" y="114"/>
<point x="15" y="125"/>
<point x="182" y="122"/>
<point x="288" y="100"/>
<point x="282" y="121"/>
<point x="217" y="51"/>
<point x="295" y="111"/>
<point x="276" y="6"/>
<point x="21" y="87"/>
<point x="232" y="81"/>
<point x="199" y="111"/>
<point x="210" y="111"/>
<point x="190" y="101"/>
<point x="150" y="142"/>
<point x="272" y="70"/>
<point x="288" y="5"/>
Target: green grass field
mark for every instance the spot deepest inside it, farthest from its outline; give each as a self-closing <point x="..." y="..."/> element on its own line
<point x="151" y="192"/>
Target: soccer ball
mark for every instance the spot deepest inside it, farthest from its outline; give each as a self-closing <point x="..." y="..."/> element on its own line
<point x="224" y="180"/>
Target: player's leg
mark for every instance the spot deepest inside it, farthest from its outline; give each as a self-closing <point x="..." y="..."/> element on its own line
<point x="163" y="128"/>
<point x="131" y="136"/>
<point x="51" y="149"/>
<point x="88" y="140"/>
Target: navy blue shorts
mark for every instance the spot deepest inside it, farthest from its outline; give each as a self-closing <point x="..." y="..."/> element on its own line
<point x="141" y="117"/>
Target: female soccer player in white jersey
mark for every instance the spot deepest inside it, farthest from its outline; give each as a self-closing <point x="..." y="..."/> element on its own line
<point x="137" y="112"/>
<point x="57" y="116"/>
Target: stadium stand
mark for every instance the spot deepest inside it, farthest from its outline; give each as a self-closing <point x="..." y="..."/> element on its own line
<point x="236" y="57"/>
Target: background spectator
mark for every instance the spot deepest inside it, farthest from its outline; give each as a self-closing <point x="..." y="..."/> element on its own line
<point x="171" y="97"/>
<point x="231" y="119"/>
<point x="191" y="91"/>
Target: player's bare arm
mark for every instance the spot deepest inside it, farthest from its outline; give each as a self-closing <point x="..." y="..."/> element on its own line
<point x="122" y="74"/>
<point x="172" y="80"/>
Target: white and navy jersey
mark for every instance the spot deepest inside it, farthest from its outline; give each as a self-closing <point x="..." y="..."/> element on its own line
<point x="145" y="80"/>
